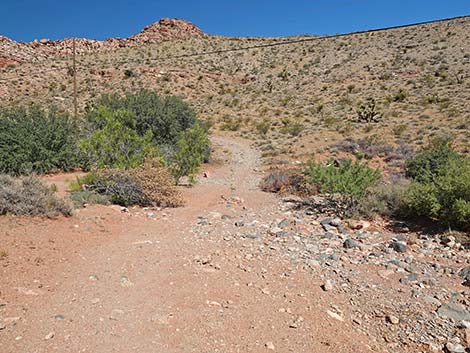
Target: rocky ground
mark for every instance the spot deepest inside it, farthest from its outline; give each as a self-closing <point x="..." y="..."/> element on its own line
<point x="235" y="270"/>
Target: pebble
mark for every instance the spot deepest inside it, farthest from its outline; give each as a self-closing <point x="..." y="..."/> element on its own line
<point x="455" y="347"/>
<point x="334" y="315"/>
<point x="327" y="286"/>
<point x="454" y="311"/>
<point x="399" y="246"/>
<point x="270" y="346"/>
<point x="393" y="319"/>
<point x="350" y="244"/>
<point x="49" y="336"/>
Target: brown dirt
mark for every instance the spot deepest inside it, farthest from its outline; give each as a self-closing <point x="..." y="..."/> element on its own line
<point x="150" y="281"/>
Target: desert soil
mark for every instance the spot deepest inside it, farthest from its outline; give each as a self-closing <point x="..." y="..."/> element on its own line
<point x="234" y="270"/>
<point x="171" y="280"/>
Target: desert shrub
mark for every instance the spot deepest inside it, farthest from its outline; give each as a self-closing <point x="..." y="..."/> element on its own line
<point x="440" y="187"/>
<point x="115" y="143"/>
<point x="158" y="184"/>
<point x="165" y="117"/>
<point x="367" y="112"/>
<point x="385" y="199"/>
<point x="119" y="186"/>
<point x="372" y="147"/>
<point x="347" y="178"/>
<point x="292" y="128"/>
<point x="35" y="140"/>
<point x="432" y="161"/>
<point x="280" y="181"/>
<point x="191" y="150"/>
<point x="230" y="123"/>
<point x="30" y="197"/>
<point x="263" y="126"/>
<point x="150" y="184"/>
<point x="83" y="197"/>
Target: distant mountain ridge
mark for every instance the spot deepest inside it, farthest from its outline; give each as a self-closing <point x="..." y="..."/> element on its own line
<point x="12" y="52"/>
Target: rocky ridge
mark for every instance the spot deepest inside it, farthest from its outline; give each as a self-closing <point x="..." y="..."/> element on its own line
<point x="166" y="29"/>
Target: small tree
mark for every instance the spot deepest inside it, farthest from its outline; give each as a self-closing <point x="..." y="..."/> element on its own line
<point x="191" y="150"/>
<point x="116" y="144"/>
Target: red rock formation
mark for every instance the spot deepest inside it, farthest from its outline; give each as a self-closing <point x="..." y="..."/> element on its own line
<point x="12" y="52"/>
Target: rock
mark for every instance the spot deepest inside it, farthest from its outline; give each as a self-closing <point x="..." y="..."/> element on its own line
<point x="59" y="317"/>
<point x="126" y="282"/>
<point x="327" y="286"/>
<point x="350" y="244"/>
<point x="454" y="311"/>
<point x="448" y="241"/>
<point x="399" y="227"/>
<point x="239" y="223"/>
<point x="399" y="246"/>
<point x="297" y="322"/>
<point x="393" y="319"/>
<point x="455" y="347"/>
<point x="330" y="224"/>
<point x="49" y="336"/>
<point x="202" y="221"/>
<point x="270" y="346"/>
<point x="334" y="315"/>
<point x="2" y="326"/>
<point x="412" y="277"/>
<point x="465" y="274"/>
<point x="284" y="223"/>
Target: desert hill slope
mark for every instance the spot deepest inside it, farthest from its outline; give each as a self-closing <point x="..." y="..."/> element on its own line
<point x="294" y="99"/>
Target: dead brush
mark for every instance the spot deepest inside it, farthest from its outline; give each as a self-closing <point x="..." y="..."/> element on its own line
<point x="284" y="181"/>
<point x="158" y="184"/>
<point x="28" y="196"/>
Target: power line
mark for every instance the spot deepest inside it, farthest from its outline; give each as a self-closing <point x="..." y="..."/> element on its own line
<point x="304" y="40"/>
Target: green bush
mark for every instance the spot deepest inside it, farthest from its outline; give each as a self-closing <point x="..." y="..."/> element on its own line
<point x="191" y="150"/>
<point x="28" y="196"/>
<point x="164" y="117"/>
<point x="440" y="187"/>
<point x="34" y="140"/>
<point x="347" y="178"/>
<point x="115" y="143"/>
<point x="432" y="161"/>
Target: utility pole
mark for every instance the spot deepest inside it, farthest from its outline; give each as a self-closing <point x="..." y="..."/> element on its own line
<point x="75" y="104"/>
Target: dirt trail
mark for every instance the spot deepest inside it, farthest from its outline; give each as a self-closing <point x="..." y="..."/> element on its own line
<point x="165" y="281"/>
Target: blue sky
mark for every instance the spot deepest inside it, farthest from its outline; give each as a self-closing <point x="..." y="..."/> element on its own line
<point x="55" y="19"/>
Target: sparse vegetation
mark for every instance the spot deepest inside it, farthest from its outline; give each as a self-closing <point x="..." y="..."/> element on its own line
<point x="28" y="196"/>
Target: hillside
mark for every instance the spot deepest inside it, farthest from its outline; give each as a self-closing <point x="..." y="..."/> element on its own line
<point x="417" y="75"/>
<point x="303" y="95"/>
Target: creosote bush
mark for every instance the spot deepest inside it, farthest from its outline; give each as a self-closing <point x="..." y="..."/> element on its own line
<point x="347" y="178"/>
<point x="35" y="140"/>
<point x="440" y="187"/>
<point x="28" y="196"/>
